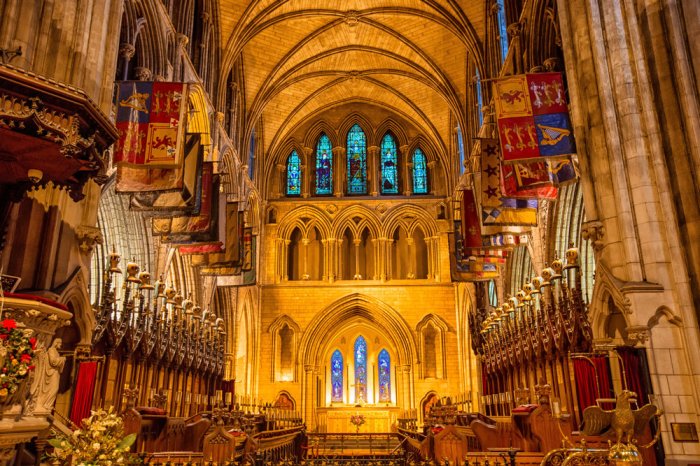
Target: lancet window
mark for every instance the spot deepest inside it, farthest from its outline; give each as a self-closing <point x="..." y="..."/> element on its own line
<point x="502" y="29"/>
<point x="384" y="376"/>
<point x="389" y="163"/>
<point x="361" y="369"/>
<point x="357" y="160"/>
<point x="293" y="174"/>
<point x="337" y="376"/>
<point x="324" y="166"/>
<point x="420" y="173"/>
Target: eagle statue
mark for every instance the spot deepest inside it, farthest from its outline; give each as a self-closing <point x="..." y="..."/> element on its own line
<point x="622" y="420"/>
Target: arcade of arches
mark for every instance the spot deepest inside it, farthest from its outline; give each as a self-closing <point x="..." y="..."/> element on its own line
<point x="298" y="230"/>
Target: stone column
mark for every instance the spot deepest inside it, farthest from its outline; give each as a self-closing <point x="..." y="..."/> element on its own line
<point x="357" y="243"/>
<point x="339" y="171"/>
<point x="432" y="176"/>
<point x="281" y="185"/>
<point x="403" y="167"/>
<point x="411" y="272"/>
<point x="373" y="176"/>
<point x="308" y="396"/>
<point x="126" y="53"/>
<point x="307" y="173"/>
<point x="409" y="179"/>
<point x="305" y="258"/>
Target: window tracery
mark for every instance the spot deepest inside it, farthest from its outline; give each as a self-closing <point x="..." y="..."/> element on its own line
<point x="357" y="160"/>
<point x="293" y="174"/>
<point x="420" y="172"/>
<point x="361" y="369"/>
<point x="324" y="166"/>
<point x="389" y="163"/>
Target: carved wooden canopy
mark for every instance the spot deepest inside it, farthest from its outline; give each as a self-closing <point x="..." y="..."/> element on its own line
<point x="52" y="127"/>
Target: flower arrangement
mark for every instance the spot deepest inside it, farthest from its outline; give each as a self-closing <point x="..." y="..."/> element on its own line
<point x="357" y="420"/>
<point x="101" y="442"/>
<point x="16" y="352"/>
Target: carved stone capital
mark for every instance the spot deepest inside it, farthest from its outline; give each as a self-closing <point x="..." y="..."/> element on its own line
<point x="638" y="334"/>
<point x="88" y="237"/>
<point x="182" y="40"/>
<point x="594" y="231"/>
<point x="143" y="73"/>
<point x="127" y="51"/>
<point x="551" y="64"/>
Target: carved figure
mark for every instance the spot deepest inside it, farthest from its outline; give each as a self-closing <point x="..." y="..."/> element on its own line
<point x="622" y="420"/>
<point x="49" y="365"/>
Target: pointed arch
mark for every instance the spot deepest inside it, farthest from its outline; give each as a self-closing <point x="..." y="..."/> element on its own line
<point x="356" y="155"/>
<point x="419" y="171"/>
<point x="360" y="361"/>
<point x="294" y="174"/>
<point x="389" y="163"/>
<point x="324" y="166"/>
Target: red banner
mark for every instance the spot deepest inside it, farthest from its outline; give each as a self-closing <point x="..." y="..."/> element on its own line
<point x="527" y="180"/>
<point x="471" y="225"/>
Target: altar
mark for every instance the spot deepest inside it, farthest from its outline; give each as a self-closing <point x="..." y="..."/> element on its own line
<point x="336" y="419"/>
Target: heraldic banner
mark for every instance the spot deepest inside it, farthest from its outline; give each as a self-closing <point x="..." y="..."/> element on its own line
<point x="497" y="209"/>
<point x="533" y="117"/>
<point x="151" y="124"/>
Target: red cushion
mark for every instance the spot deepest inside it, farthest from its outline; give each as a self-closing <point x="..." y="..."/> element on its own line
<point x="150" y="410"/>
<point x="40" y="299"/>
<point x="525" y="408"/>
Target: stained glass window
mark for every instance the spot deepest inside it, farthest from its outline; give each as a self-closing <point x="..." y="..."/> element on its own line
<point x="384" y="376"/>
<point x="479" y="99"/>
<point x="251" y="156"/>
<point x="389" y="163"/>
<point x="460" y="148"/>
<point x="324" y="166"/>
<point x="357" y="161"/>
<point x="293" y="174"/>
<point x="502" y="33"/>
<point x="361" y="370"/>
<point x="337" y="376"/>
<point x="420" y="173"/>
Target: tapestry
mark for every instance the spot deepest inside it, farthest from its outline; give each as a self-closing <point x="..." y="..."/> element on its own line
<point x="495" y="208"/>
<point x="533" y="117"/>
<point x="151" y="123"/>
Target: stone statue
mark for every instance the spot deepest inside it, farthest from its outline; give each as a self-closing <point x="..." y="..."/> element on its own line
<point x="47" y="377"/>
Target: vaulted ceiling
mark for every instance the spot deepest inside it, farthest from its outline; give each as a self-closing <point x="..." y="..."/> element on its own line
<point x="304" y="56"/>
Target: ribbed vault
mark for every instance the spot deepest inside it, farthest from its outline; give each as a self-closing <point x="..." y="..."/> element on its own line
<point x="303" y="57"/>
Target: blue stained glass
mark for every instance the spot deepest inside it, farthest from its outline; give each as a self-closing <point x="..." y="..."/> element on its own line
<point x="293" y="174"/>
<point x="389" y="163"/>
<point x="384" y="376"/>
<point x="479" y="99"/>
<point x="324" y="166"/>
<point x="337" y="376"/>
<point x="460" y="147"/>
<point x="357" y="161"/>
<point x="502" y="26"/>
<point x="361" y="370"/>
<point x="251" y="156"/>
<point x="420" y="173"/>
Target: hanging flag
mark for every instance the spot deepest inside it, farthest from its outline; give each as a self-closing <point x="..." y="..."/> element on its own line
<point x="563" y="170"/>
<point x="527" y="179"/>
<point x="202" y="248"/>
<point x="533" y="117"/>
<point x="248" y="258"/>
<point x="151" y="123"/>
<point x="471" y="226"/>
<point x="190" y="224"/>
<point x="495" y="208"/>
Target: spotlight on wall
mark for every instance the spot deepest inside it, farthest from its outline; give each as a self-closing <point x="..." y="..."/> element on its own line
<point x="35" y="175"/>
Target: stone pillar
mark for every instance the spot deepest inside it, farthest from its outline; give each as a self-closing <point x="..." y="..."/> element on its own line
<point x="411" y="272"/>
<point x="432" y="177"/>
<point x="281" y="185"/>
<point x="339" y="171"/>
<point x="126" y="53"/>
<point x="403" y="166"/>
<point x="307" y="173"/>
<point x="407" y="386"/>
<point x="357" y="243"/>
<point x="409" y="179"/>
<point x="373" y="176"/>
<point x="305" y="258"/>
<point x="308" y="397"/>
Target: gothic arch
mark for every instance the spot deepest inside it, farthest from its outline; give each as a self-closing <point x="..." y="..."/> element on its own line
<point x="367" y="308"/>
<point x="349" y="121"/>
<point x="368" y="219"/>
<point x="315" y="131"/>
<point x="606" y="287"/>
<point x="305" y="218"/>
<point x="409" y="217"/>
<point x="390" y="125"/>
